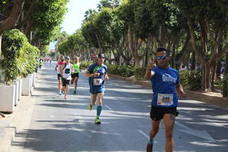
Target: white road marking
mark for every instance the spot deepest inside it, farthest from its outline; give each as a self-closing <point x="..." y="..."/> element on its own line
<point x="109" y="108"/>
<point x="144" y="134"/>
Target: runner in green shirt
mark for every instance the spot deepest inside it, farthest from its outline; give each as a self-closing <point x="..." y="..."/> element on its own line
<point x="75" y="74"/>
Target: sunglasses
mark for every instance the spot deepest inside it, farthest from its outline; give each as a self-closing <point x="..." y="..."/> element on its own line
<point x="161" y="57"/>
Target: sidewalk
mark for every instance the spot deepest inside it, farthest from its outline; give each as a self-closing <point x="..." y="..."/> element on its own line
<point x="14" y="122"/>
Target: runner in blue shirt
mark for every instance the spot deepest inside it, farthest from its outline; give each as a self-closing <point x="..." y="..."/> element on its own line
<point x="97" y="74"/>
<point x="165" y="85"/>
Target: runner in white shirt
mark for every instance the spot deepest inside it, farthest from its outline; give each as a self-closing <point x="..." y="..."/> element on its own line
<point x="66" y="71"/>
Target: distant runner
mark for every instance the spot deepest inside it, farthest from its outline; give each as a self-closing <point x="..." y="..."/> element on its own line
<point x="59" y="63"/>
<point x="66" y="71"/>
<point x="75" y="73"/>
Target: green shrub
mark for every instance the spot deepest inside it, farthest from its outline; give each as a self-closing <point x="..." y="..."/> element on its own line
<point x="184" y="77"/>
<point x="125" y="71"/>
<point x="219" y="83"/>
<point x="19" y="57"/>
<point x="113" y="69"/>
<point x="12" y="44"/>
<point x="225" y="85"/>
<point x="85" y="64"/>
<point x="31" y="53"/>
<point x="140" y="72"/>
<point x="191" y="79"/>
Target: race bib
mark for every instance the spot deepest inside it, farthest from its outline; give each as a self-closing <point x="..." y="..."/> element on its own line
<point x="67" y="71"/>
<point x="165" y="99"/>
<point x="97" y="81"/>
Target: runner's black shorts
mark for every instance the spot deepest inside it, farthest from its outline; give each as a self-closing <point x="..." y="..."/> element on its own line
<point x="65" y="82"/>
<point x="59" y="76"/>
<point x="157" y="113"/>
<point x="73" y="75"/>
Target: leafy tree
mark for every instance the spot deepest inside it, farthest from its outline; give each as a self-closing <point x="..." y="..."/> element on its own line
<point x="10" y="13"/>
<point x="45" y="20"/>
<point x="208" y="31"/>
<point x="38" y="19"/>
<point x="73" y="45"/>
<point x="108" y="4"/>
<point x="96" y="29"/>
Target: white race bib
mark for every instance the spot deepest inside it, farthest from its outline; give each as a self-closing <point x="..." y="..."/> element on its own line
<point x="165" y="99"/>
<point x="97" y="81"/>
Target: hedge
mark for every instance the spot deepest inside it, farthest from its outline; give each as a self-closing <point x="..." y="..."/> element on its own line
<point x="19" y="58"/>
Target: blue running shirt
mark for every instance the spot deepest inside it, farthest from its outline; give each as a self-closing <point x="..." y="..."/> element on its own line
<point x="97" y="83"/>
<point x="164" y="87"/>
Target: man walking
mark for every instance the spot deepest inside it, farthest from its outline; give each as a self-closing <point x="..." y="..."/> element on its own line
<point x="165" y="85"/>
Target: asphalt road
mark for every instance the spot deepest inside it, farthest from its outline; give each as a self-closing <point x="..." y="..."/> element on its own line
<point x="59" y="125"/>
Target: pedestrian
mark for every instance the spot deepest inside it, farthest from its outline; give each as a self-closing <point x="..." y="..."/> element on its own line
<point x="59" y="63"/>
<point x="165" y="85"/>
<point x="97" y="73"/>
<point x="75" y="73"/>
<point x="66" y="71"/>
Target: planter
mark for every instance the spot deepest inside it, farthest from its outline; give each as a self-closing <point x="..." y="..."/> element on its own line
<point x="20" y="89"/>
<point x="33" y="80"/>
<point x="26" y="86"/>
<point x="7" y="100"/>
<point x="16" y="83"/>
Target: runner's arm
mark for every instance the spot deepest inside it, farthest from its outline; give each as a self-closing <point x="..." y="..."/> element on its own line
<point x="149" y="73"/>
<point x="61" y="69"/>
<point x="87" y="74"/>
<point x="71" y="68"/>
<point x="106" y="76"/>
<point x="180" y="90"/>
<point x="56" y="67"/>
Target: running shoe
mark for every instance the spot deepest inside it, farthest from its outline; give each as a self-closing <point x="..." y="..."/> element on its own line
<point x="90" y="107"/>
<point x="75" y="92"/>
<point x="149" y="147"/>
<point x="60" y="93"/>
<point x="97" y="120"/>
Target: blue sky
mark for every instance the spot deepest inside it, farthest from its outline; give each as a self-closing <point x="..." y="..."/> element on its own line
<point x="75" y="15"/>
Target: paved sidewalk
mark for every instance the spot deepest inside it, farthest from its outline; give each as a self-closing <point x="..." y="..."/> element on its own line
<point x="13" y="123"/>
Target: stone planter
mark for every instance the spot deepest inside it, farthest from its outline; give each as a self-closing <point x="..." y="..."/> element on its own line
<point x="33" y="80"/>
<point x="16" y="83"/>
<point x="7" y="100"/>
<point x="26" y="85"/>
<point x="20" y="89"/>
